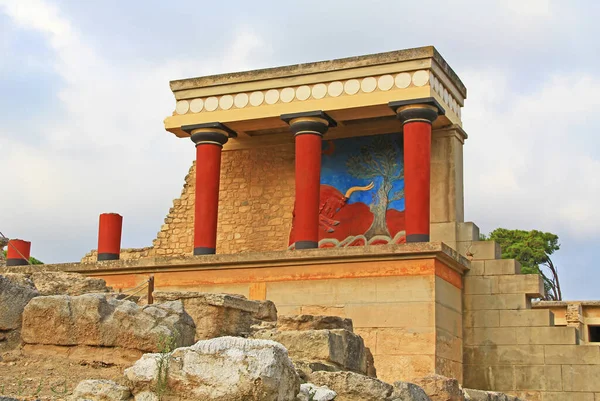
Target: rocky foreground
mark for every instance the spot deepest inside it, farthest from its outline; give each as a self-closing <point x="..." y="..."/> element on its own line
<point x="187" y="346"/>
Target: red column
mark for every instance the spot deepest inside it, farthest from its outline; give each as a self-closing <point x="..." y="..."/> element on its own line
<point x="209" y="140"/>
<point x="308" y="129"/>
<point x="18" y="252"/>
<point x="308" y="181"/>
<point x="417" y="170"/>
<point x="417" y="119"/>
<point x="109" y="236"/>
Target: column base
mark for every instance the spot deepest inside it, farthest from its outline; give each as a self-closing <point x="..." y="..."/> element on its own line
<point x="16" y="262"/>
<point x="417" y="238"/>
<point x="108" y="256"/>
<point x="201" y="250"/>
<point x="306" y="244"/>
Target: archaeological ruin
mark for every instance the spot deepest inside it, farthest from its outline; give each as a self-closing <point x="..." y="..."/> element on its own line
<point x="323" y="218"/>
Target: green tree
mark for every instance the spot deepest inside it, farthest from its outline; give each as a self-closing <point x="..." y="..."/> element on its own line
<point x="32" y="260"/>
<point x="532" y="249"/>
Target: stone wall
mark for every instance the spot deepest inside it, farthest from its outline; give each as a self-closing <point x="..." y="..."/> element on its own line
<point x="510" y="347"/>
<point x="578" y="314"/>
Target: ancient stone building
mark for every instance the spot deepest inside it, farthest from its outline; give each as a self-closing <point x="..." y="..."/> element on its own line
<point x="336" y="188"/>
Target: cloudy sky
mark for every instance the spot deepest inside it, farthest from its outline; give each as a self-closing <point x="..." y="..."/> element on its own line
<point x="84" y="89"/>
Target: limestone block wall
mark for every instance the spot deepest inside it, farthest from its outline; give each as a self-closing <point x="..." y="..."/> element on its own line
<point x="510" y="347"/>
<point x="578" y="314"/>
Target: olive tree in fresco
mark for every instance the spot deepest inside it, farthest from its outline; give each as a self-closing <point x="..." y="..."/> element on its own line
<point x="380" y="159"/>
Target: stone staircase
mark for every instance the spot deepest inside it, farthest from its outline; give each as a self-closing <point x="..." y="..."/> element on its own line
<point x="507" y="345"/>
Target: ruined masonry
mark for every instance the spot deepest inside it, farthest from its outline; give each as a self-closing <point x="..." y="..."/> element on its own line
<point x="332" y="193"/>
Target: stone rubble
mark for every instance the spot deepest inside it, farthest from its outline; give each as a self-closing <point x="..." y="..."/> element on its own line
<point x="351" y="386"/>
<point x="219" y="315"/>
<point x="224" y="368"/>
<point x="310" y="392"/>
<point x="102" y="320"/>
<point x="268" y="366"/>
<point x="440" y="388"/>
<point x="337" y="349"/>
<point x="60" y="283"/>
<point x="312" y="322"/>
<point x="14" y="296"/>
<point x="100" y="390"/>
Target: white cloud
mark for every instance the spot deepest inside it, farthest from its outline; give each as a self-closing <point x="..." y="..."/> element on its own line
<point x="529" y="161"/>
<point x="108" y="151"/>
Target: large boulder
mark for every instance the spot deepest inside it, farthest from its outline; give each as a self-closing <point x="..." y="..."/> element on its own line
<point x="100" y="390"/>
<point x="218" y="315"/>
<point x="408" y="392"/>
<point x="61" y="283"/>
<point x="440" y="388"/>
<point x="312" y="322"/>
<point x="14" y="296"/>
<point x="104" y="321"/>
<point x="224" y="369"/>
<point x="351" y="386"/>
<point x="330" y="349"/>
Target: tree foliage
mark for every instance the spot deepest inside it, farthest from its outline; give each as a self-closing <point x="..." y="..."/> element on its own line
<point x="532" y="249"/>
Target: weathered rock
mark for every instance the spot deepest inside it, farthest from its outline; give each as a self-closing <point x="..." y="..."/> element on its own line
<point x="440" y="388"/>
<point x="305" y="368"/>
<point x="476" y="395"/>
<point x="351" y="386"/>
<point x="341" y="348"/>
<point x="408" y="392"/>
<point x="312" y="322"/>
<point x="219" y="315"/>
<point x="310" y="392"/>
<point x="100" y="390"/>
<point x="21" y="279"/>
<point x="371" y="370"/>
<point x="61" y="283"/>
<point x="495" y="396"/>
<point x="224" y="368"/>
<point x="101" y="320"/>
<point x="13" y="299"/>
<point x="146" y="396"/>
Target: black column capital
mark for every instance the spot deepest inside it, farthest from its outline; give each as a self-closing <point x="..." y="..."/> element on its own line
<point x="209" y="133"/>
<point x="424" y="110"/>
<point x="311" y="122"/>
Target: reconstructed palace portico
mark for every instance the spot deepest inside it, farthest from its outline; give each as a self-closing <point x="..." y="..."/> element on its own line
<point x="412" y="91"/>
<point x="336" y="188"/>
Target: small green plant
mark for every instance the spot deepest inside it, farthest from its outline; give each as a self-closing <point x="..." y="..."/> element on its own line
<point x="311" y="395"/>
<point x="38" y="390"/>
<point x="166" y="345"/>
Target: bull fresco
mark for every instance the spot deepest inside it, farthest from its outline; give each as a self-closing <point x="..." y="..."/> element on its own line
<point x="362" y="192"/>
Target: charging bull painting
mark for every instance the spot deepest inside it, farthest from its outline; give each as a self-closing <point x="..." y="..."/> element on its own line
<point x="362" y="192"/>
